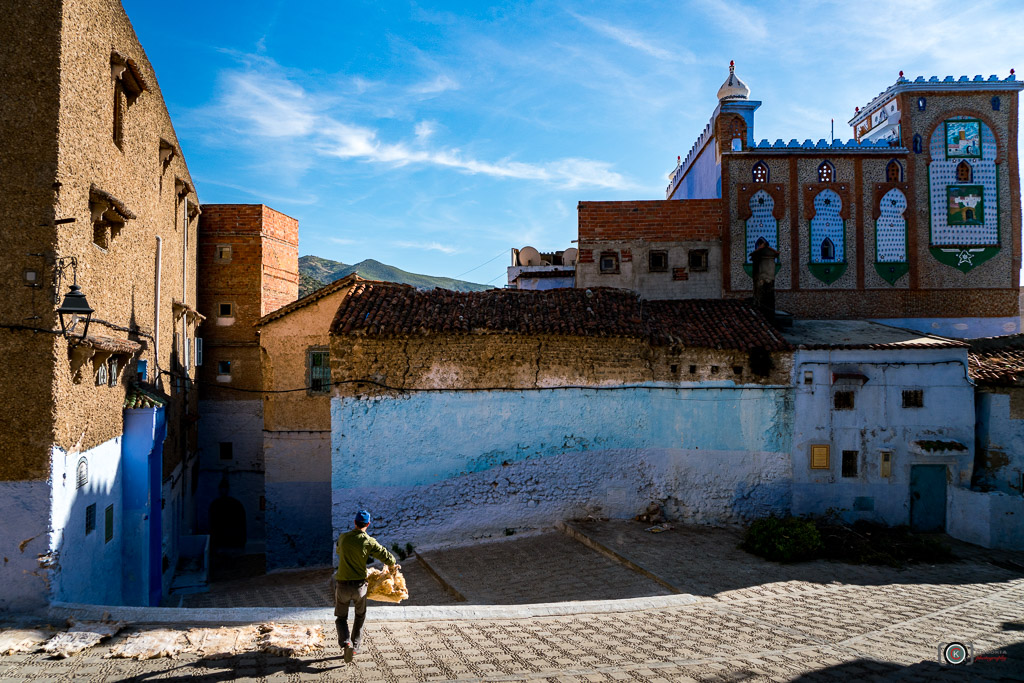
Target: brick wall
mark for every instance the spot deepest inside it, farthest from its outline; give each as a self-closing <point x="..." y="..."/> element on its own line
<point x="662" y="220"/>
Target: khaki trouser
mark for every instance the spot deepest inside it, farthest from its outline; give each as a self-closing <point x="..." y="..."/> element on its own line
<point x="344" y="593"/>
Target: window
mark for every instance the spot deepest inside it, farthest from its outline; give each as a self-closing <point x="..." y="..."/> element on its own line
<point x="913" y="398"/>
<point x="82" y="473"/>
<point x="90" y="519"/>
<point x="226" y="449"/>
<point x="223" y="367"/>
<point x="737" y="145"/>
<point x="657" y="261"/>
<point x="893" y="172"/>
<point x="964" y="172"/>
<point x="102" y="375"/>
<point x="101" y="234"/>
<point x="737" y="370"/>
<point x="921" y="103"/>
<point x="843" y="400"/>
<point x="609" y="262"/>
<point x="198" y="347"/>
<point x="142" y="370"/>
<point x="108" y="524"/>
<point x="222" y="253"/>
<point x="917" y="144"/>
<point x="714" y="369"/>
<point x="995" y="104"/>
<point x="828" y="250"/>
<point x="225" y="310"/>
<point x="849" y="464"/>
<point x="693" y="369"/>
<point x="808" y="377"/>
<point x="819" y="457"/>
<point x="697" y="259"/>
<point x="760" y="172"/>
<point x="112" y="371"/>
<point x="826" y="172"/>
<point x="118" y="113"/>
<point x="318" y="362"/>
<point x="885" y="468"/>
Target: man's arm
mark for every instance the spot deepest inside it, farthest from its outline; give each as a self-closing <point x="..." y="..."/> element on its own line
<point x="381" y="553"/>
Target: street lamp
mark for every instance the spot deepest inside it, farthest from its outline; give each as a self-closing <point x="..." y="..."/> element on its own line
<point x="74" y="310"/>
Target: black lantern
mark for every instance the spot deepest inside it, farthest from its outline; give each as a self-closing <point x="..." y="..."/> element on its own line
<point x="74" y="310"/>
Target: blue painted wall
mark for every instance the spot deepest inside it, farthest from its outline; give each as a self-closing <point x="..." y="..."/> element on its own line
<point x="878" y="423"/>
<point x="443" y="465"/>
<point x="142" y="465"/>
<point x="298" y="485"/>
<point x="1000" y="418"/>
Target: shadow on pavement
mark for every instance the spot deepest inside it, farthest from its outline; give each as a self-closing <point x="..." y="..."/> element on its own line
<point x="249" y="665"/>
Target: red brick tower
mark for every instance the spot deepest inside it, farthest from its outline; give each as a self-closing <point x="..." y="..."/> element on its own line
<point x="248" y="267"/>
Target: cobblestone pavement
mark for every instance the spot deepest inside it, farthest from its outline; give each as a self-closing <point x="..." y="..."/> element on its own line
<point x="309" y="588"/>
<point x="756" y="621"/>
<point x="547" y="567"/>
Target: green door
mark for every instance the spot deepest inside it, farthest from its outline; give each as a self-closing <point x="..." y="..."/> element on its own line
<point x="928" y="497"/>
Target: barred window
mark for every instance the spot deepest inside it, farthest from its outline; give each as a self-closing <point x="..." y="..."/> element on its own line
<point x="318" y="361"/>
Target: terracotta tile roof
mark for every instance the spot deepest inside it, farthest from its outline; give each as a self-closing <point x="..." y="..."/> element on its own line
<point x="315" y="295"/>
<point x="389" y="310"/>
<point x="997" y="360"/>
<point x="138" y="398"/>
<point x="103" y="342"/>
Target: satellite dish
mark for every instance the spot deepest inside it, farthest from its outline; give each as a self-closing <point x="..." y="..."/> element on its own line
<point x="528" y="256"/>
<point x="569" y="256"/>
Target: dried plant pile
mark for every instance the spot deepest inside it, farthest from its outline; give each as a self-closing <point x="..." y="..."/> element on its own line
<point x="387" y="585"/>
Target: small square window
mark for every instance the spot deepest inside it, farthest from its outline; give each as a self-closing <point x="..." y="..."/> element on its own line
<point x="225" y="310"/>
<point x="697" y="260"/>
<point x="819" y="457"/>
<point x="610" y="262"/>
<point x="222" y="253"/>
<point x="693" y="369"/>
<point x="674" y="369"/>
<point x="808" y="377"/>
<point x="108" y="524"/>
<point x="913" y="398"/>
<point x="112" y="371"/>
<point x="849" y="464"/>
<point x="90" y="518"/>
<point x="223" y="367"/>
<point x="657" y="261"/>
<point x="226" y="450"/>
<point x="737" y="370"/>
<point x="843" y="400"/>
<point x="714" y="369"/>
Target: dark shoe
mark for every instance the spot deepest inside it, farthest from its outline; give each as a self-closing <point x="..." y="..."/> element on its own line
<point x="349" y="651"/>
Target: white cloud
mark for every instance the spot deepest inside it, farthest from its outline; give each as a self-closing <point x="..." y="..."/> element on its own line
<point x="424" y="129"/>
<point x="341" y="240"/>
<point x="736" y="19"/>
<point x="261" y="106"/>
<point x="634" y="39"/>
<point x="429" y="246"/>
<point x="439" y="84"/>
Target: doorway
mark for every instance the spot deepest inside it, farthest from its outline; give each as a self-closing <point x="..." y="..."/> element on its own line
<point x="928" y="498"/>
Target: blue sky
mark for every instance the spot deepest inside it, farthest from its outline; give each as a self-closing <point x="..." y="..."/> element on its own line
<point x="436" y="136"/>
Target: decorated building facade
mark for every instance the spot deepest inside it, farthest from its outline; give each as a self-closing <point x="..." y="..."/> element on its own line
<point x="915" y="221"/>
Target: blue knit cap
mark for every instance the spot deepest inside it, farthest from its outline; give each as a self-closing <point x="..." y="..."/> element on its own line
<point x="363" y="518"/>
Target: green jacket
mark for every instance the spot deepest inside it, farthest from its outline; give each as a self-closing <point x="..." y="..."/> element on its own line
<point x="353" y="549"/>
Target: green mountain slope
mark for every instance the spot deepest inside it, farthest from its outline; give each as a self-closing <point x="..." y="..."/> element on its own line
<point x="315" y="271"/>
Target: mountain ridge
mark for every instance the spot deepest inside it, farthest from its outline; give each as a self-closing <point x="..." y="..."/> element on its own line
<point x="316" y="271"/>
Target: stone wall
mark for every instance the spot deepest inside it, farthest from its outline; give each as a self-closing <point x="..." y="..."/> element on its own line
<point x="538" y="429"/>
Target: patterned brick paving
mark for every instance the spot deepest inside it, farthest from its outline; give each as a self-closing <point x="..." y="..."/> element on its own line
<point x="859" y="624"/>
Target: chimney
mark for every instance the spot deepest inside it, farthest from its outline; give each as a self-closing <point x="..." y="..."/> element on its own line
<point x="763" y="259"/>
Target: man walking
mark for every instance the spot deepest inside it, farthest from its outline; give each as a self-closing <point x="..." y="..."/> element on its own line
<point x="350" y="581"/>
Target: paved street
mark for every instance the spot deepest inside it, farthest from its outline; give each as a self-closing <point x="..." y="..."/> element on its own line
<point x="747" y="620"/>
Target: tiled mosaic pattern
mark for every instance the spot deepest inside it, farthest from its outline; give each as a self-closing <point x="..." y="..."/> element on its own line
<point x="827" y="224"/>
<point x="942" y="173"/>
<point x="761" y="223"/>
<point x="891" y="228"/>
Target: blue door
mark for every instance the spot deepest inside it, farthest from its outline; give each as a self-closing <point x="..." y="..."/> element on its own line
<point x="928" y="497"/>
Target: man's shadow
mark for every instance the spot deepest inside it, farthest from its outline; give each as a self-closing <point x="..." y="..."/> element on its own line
<point x="265" y="665"/>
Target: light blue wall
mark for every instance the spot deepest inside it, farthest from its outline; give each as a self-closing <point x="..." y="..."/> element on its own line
<point x="1001" y="439"/>
<point x="878" y="423"/>
<point x="298" y="486"/>
<point x="86" y="567"/>
<point x="445" y="465"/>
<point x="967" y="328"/>
<point x="703" y="180"/>
<point x="24" y="537"/>
<point x="142" y="472"/>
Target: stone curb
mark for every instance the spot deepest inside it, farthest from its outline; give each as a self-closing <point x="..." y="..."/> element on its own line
<point x="249" y="615"/>
<point x="578" y="535"/>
